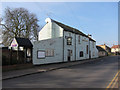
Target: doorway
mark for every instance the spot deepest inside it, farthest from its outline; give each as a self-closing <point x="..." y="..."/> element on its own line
<point x="89" y="54"/>
<point x="69" y="55"/>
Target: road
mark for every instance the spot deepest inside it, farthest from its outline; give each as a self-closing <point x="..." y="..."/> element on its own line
<point x="94" y="74"/>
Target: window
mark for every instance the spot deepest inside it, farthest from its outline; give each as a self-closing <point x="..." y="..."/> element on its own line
<point x="69" y="34"/>
<point x="102" y="52"/>
<point x="40" y="54"/>
<point x="79" y="39"/>
<point x="93" y="44"/>
<point x="21" y="48"/>
<point x="87" y="49"/>
<point x="49" y="53"/>
<point x="69" y="40"/>
<point x="81" y="53"/>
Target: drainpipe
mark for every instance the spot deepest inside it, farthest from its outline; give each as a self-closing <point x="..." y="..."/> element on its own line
<point x="63" y="45"/>
<point x="75" y="47"/>
<point x="89" y="50"/>
<point x="89" y="45"/>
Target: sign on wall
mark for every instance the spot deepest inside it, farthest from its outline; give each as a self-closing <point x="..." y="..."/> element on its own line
<point x="40" y="54"/>
<point x="14" y="43"/>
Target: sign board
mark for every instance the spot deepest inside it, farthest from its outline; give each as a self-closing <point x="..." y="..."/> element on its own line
<point x="14" y="43"/>
<point x="40" y="54"/>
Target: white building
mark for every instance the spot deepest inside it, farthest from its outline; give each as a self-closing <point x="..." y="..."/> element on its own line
<point x="61" y="43"/>
<point x="115" y="49"/>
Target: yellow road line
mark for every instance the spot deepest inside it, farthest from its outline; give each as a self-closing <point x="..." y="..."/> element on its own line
<point x="114" y="83"/>
<point x="112" y="80"/>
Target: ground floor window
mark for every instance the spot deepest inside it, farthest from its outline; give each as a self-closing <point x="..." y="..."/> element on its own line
<point x="49" y="53"/>
<point x="81" y="53"/>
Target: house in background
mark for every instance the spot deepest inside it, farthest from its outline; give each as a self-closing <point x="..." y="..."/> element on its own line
<point x="105" y="47"/>
<point x="101" y="51"/>
<point x="115" y="49"/>
<point x="23" y="45"/>
<point x="61" y="43"/>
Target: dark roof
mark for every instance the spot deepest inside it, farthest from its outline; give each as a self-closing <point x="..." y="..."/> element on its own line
<point x="105" y="46"/>
<point x="24" y="42"/>
<point x="70" y="29"/>
<point x="100" y="48"/>
<point x="108" y="47"/>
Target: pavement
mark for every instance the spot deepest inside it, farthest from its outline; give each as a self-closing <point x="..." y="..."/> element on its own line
<point x="97" y="73"/>
<point x="42" y="68"/>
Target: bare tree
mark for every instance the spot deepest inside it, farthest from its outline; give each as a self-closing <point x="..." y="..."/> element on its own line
<point x="19" y="23"/>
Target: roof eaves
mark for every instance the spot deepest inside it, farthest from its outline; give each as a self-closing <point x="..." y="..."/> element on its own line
<point x="71" y="29"/>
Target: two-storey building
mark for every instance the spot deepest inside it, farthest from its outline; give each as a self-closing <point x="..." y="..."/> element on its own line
<point x="61" y="43"/>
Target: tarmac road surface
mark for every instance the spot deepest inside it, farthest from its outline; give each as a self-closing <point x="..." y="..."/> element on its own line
<point x="94" y="74"/>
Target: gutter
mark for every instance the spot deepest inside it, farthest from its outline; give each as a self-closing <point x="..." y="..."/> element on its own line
<point x="63" y="45"/>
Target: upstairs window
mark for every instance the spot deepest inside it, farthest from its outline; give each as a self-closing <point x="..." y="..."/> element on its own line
<point x="79" y="39"/>
<point x="69" y="40"/>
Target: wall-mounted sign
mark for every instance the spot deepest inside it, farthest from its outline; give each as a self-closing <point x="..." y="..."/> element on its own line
<point x="14" y="43"/>
<point x="40" y="54"/>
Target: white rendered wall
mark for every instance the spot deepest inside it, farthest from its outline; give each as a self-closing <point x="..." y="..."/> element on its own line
<point x="71" y="47"/>
<point x="56" y="44"/>
<point x="115" y="50"/>
<point x="50" y="30"/>
<point x="57" y="31"/>
<point x="82" y="47"/>
<point x="45" y="32"/>
<point x="93" y="49"/>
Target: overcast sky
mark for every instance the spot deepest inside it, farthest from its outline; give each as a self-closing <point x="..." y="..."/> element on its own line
<point x="99" y="19"/>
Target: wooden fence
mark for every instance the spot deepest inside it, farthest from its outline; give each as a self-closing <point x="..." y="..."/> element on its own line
<point x="11" y="57"/>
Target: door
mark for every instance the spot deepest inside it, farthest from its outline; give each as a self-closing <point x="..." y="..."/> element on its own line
<point x="69" y="55"/>
<point x="89" y="54"/>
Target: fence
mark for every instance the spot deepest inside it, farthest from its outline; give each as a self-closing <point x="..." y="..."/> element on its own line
<point x="11" y="57"/>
